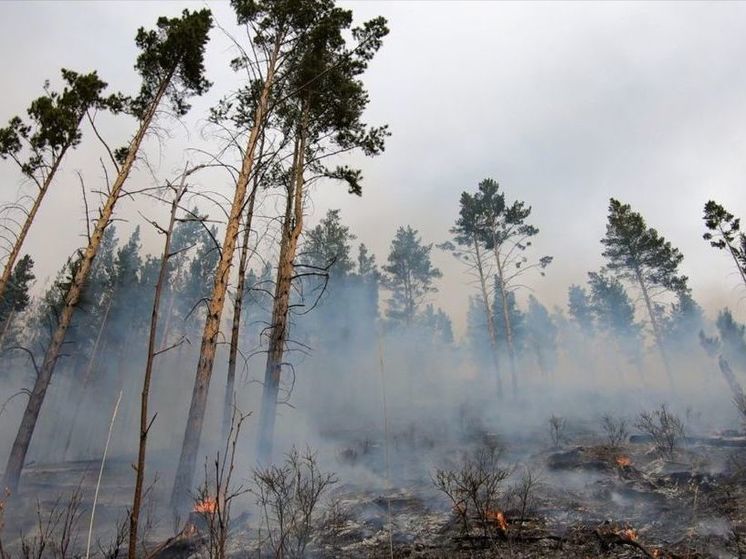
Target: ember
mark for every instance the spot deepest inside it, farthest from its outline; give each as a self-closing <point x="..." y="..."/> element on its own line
<point x="499" y="518"/>
<point x="623" y="461"/>
<point x="208" y="505"/>
<point x="628" y="534"/>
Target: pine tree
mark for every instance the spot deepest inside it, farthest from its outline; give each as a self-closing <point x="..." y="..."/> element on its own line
<point x="470" y="249"/>
<point x="322" y="114"/>
<point x="409" y="275"/>
<point x="580" y="308"/>
<point x="639" y="254"/>
<point x="505" y="231"/>
<point x="614" y="313"/>
<point x="39" y="145"/>
<point x="171" y="66"/>
<point x="16" y="297"/>
<point x="724" y="233"/>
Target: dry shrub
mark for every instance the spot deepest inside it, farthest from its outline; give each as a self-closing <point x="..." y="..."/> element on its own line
<point x="474" y="487"/>
<point x="665" y="428"/>
<point x="615" y="429"/>
<point x="289" y="497"/>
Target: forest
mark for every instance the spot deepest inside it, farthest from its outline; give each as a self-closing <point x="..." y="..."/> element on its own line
<point x="262" y="383"/>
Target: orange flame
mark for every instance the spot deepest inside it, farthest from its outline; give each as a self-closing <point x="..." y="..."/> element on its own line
<point x="628" y="534"/>
<point x="208" y="505"/>
<point x="623" y="461"/>
<point x="499" y="518"/>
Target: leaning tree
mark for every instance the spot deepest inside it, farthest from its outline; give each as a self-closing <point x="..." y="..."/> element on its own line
<point x="39" y="144"/>
<point x="171" y="64"/>
<point x="724" y="232"/>
<point x="638" y="254"/>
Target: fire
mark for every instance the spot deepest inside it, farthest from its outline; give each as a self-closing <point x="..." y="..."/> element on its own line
<point x="208" y="505"/>
<point x="628" y="534"/>
<point x="499" y="518"/>
<point x="623" y="461"/>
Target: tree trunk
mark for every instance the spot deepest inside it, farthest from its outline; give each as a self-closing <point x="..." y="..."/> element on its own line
<point x="656" y="327"/>
<point x="490" y="318"/>
<point x="22" y="441"/>
<point x="16" y="250"/>
<point x="292" y="227"/>
<point x="730" y="250"/>
<point x="237" y="307"/>
<point x="145" y="422"/>
<point x="506" y="321"/>
<point x="198" y="406"/>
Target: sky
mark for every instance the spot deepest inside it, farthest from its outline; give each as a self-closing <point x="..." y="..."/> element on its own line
<point x="565" y="104"/>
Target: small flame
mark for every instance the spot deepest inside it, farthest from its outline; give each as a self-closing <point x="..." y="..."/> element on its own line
<point x="499" y="518"/>
<point x="628" y="534"/>
<point x="208" y="505"/>
<point x="623" y="461"/>
<point x="657" y="553"/>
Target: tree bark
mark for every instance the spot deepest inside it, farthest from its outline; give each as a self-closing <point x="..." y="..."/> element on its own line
<point x="43" y="189"/>
<point x="292" y="228"/>
<point x="656" y="327"/>
<point x="506" y="321"/>
<point x="145" y="422"/>
<point x="237" y="307"/>
<point x="489" y="316"/>
<point x="198" y="406"/>
<point x="22" y="441"/>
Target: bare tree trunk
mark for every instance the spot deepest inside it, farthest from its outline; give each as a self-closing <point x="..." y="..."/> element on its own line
<point x="489" y="316"/>
<point x="506" y="321"/>
<point x="86" y="379"/>
<point x="237" y="307"/>
<point x="21" y="444"/>
<point x="656" y="327"/>
<point x="292" y="228"/>
<point x="16" y="250"/>
<point x="145" y="422"/>
<point x="198" y="406"/>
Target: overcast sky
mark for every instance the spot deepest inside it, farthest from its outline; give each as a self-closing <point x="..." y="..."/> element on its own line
<point x="565" y="105"/>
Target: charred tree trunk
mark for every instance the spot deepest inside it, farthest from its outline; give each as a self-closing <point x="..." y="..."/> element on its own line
<point x="291" y="230"/>
<point x="198" y="406"/>
<point x="145" y="422"/>
<point x="22" y="441"/>
<point x="489" y="316"/>
<point x="237" y="307"/>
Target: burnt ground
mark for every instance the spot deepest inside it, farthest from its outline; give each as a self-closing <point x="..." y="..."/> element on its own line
<point x="589" y="500"/>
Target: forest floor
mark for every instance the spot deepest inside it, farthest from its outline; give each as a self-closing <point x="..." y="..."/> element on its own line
<point x="586" y="500"/>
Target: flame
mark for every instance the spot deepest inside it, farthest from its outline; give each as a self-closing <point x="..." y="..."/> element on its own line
<point x="628" y="534"/>
<point x="499" y="518"/>
<point x="623" y="461"/>
<point x="657" y="553"/>
<point x="208" y="505"/>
